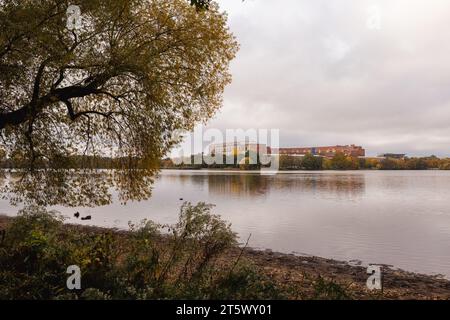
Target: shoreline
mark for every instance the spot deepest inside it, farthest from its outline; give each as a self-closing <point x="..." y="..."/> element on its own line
<point x="397" y="283"/>
<point x="304" y="271"/>
<point x="236" y="170"/>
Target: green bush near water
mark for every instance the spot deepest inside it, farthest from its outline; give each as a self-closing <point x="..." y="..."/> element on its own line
<point x="141" y="264"/>
<point x="183" y="261"/>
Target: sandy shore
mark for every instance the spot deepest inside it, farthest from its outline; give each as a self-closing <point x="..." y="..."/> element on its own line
<point x="303" y="271"/>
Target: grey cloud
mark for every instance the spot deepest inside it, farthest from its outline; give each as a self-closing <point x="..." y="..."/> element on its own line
<point x="315" y="71"/>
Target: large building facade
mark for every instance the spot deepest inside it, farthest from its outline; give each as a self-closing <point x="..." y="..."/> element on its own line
<point x="329" y="152"/>
<point x="237" y="148"/>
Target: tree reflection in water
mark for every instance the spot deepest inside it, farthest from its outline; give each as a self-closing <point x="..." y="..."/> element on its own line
<point x="242" y="185"/>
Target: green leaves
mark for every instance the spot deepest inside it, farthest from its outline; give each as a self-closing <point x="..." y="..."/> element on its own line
<point x="188" y="261"/>
<point x="117" y="87"/>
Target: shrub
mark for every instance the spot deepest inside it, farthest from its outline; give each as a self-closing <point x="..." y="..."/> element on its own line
<point x="341" y="162"/>
<point x="181" y="261"/>
<point x="329" y="290"/>
<point x="310" y="162"/>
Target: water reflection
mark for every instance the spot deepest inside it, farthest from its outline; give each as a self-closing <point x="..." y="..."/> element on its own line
<point x="397" y="218"/>
<point x="243" y="186"/>
<point x="349" y="186"/>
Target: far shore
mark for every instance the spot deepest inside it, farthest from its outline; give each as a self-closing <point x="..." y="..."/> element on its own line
<point x="303" y="270"/>
<point x="235" y="170"/>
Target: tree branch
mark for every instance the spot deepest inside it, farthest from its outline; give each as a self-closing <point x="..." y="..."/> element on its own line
<point x="31" y="109"/>
<point x="37" y="81"/>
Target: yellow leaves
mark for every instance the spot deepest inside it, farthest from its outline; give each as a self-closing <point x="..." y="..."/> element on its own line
<point x="138" y="70"/>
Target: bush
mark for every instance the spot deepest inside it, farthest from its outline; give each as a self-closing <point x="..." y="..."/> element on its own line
<point x="341" y="162"/>
<point x="181" y="261"/>
<point x="310" y="162"/>
<point x="390" y="164"/>
<point x="445" y="165"/>
<point x="290" y="162"/>
<point x="330" y="290"/>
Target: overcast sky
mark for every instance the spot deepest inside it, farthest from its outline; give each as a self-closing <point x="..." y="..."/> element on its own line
<point x="325" y="72"/>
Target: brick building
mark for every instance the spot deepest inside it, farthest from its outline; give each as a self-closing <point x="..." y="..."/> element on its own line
<point x="237" y="148"/>
<point x="329" y="152"/>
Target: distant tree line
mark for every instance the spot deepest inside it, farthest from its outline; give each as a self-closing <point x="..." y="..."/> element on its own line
<point x="424" y="163"/>
<point x="71" y="162"/>
<point x="342" y="162"/>
<point x="310" y="162"/>
<point x="247" y="161"/>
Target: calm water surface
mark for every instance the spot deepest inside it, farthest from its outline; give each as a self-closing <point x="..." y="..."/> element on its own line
<point x="396" y="218"/>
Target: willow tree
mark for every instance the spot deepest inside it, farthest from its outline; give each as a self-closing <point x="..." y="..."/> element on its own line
<point x="120" y="84"/>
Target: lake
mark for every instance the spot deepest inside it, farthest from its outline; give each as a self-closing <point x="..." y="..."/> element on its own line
<point x="399" y="218"/>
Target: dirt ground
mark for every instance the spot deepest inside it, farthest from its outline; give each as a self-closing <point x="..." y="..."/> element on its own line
<point x="397" y="284"/>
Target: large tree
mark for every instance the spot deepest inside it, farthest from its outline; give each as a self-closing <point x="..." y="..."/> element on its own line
<point x="120" y="85"/>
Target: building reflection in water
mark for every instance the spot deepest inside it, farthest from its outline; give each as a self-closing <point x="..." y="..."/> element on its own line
<point x="343" y="185"/>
